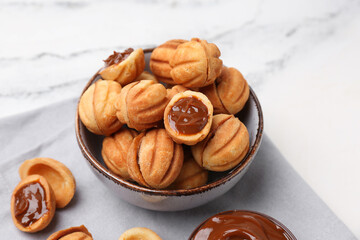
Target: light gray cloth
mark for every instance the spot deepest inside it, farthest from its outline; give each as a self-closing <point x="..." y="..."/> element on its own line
<point x="270" y="186"/>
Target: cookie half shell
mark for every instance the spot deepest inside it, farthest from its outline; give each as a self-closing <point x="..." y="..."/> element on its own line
<point x="32" y="204"/>
<point x="57" y="175"/>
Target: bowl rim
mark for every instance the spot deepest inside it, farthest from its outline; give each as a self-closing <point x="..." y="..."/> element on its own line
<point x="275" y="221"/>
<point x="165" y="192"/>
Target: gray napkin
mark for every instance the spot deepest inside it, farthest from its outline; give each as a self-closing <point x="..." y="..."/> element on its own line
<point x="270" y="186"/>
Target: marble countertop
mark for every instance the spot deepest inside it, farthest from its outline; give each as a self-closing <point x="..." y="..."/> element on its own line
<point x="300" y="57"/>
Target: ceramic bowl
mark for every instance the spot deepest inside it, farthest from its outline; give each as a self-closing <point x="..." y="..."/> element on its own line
<point x="171" y="200"/>
<point x="278" y="224"/>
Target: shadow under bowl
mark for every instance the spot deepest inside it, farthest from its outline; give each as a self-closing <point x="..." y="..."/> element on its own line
<point x="171" y="200"/>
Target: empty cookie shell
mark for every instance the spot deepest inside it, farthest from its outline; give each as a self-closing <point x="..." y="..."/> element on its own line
<point x="188" y="117"/>
<point x="139" y="233"/>
<point x="72" y="233"/>
<point x="57" y="175"/>
<point x="32" y="204"/>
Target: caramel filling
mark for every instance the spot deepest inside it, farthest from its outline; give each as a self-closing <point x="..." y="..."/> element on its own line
<point x="30" y="203"/>
<point x="118" y="57"/>
<point x="188" y="116"/>
<point x="239" y="225"/>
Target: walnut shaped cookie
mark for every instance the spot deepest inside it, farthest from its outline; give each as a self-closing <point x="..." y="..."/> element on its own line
<point x="141" y="104"/>
<point x="171" y="92"/>
<point x="97" y="107"/>
<point x="139" y="233"/>
<point x="191" y="176"/>
<point x="114" y="151"/>
<point x="159" y="60"/>
<point x="124" y="67"/>
<point x="229" y="93"/>
<point x="145" y="75"/>
<point x="154" y="159"/>
<point x="72" y="233"/>
<point x="225" y="146"/>
<point x="195" y="63"/>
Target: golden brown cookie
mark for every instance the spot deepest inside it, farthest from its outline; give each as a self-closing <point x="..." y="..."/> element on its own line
<point x="154" y="160"/>
<point x="124" y="67"/>
<point x="159" y="60"/>
<point x="145" y="75"/>
<point x="57" y="175"/>
<point x="171" y="92"/>
<point x="72" y="233"/>
<point x="114" y="151"/>
<point x="188" y="117"/>
<point x="141" y="104"/>
<point x="32" y="204"/>
<point x="191" y="176"/>
<point x="195" y="63"/>
<point x="139" y="233"/>
<point x="97" y="107"/>
<point x="225" y="146"/>
<point x="230" y="93"/>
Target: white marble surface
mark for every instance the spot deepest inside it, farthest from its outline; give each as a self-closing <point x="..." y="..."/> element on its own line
<point x="301" y="58"/>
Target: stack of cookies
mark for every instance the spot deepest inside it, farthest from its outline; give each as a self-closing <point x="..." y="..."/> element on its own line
<point x="168" y="128"/>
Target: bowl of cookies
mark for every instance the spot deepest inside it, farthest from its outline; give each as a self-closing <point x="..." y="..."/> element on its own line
<point x="169" y="128"/>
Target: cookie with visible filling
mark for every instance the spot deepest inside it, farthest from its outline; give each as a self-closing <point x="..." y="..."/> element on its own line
<point x="188" y="117"/>
<point x="33" y="204"/>
<point x="124" y="67"/>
